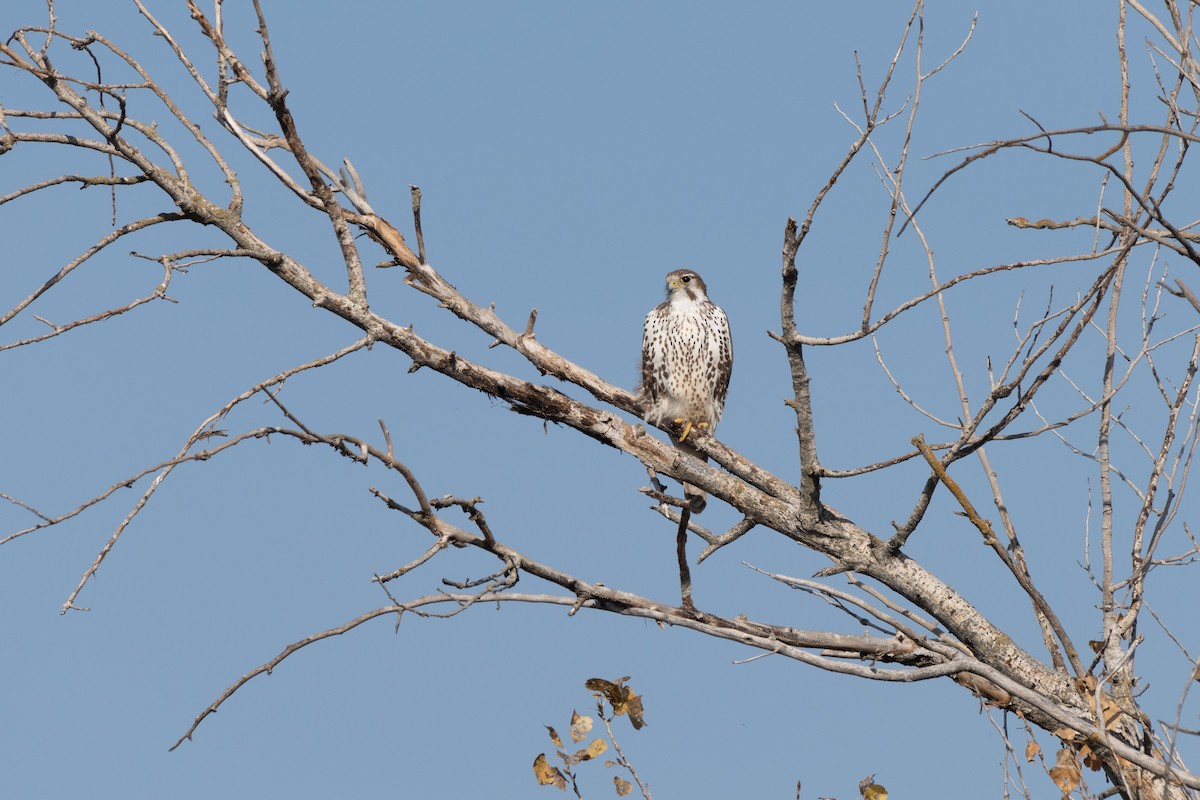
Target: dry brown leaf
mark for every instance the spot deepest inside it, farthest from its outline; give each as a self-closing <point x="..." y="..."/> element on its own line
<point x="594" y="749"/>
<point x="579" y="727"/>
<point x="1031" y="750"/>
<point x="1090" y="759"/>
<point x="554" y="736"/>
<point x="614" y="693"/>
<point x="624" y="787"/>
<point x="1065" y="772"/>
<point x="547" y="775"/>
<point x="635" y="712"/>
<point x="982" y="687"/>
<point x="1110" y="710"/>
<point x="870" y="790"/>
<point x="1066" y="734"/>
<point x="1085" y="685"/>
<point x="621" y="698"/>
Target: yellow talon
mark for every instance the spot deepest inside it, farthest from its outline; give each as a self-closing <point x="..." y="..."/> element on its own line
<point x="687" y="427"/>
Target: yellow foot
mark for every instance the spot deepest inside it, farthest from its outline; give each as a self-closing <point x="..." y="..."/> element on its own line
<point x="687" y="426"/>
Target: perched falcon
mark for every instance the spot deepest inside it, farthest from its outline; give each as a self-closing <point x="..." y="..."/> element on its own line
<point x="687" y="357"/>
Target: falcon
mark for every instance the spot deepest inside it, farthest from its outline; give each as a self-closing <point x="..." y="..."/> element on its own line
<point x="687" y="358"/>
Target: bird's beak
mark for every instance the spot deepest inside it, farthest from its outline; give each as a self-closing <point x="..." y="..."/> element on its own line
<point x="672" y="283"/>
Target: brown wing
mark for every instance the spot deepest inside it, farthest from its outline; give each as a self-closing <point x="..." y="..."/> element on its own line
<point x="719" y="359"/>
<point x="652" y="353"/>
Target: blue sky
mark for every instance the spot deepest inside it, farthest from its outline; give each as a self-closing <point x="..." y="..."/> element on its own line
<point x="570" y="155"/>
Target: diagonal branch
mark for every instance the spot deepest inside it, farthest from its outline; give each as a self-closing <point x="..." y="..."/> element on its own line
<point x="991" y="540"/>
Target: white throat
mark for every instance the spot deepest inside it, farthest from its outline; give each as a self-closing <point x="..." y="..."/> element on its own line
<point x="681" y="303"/>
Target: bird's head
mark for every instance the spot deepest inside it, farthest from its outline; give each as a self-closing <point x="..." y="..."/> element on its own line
<point x="683" y="285"/>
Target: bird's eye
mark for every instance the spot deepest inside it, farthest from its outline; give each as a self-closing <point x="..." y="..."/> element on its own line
<point x="686" y="279"/>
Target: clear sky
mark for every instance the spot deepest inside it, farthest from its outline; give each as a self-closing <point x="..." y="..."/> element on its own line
<point x="570" y="155"/>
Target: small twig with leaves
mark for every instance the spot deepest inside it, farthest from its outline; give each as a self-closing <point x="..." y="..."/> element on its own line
<point x="622" y="701"/>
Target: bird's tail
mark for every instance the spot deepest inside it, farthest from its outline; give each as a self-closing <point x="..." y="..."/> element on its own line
<point x="697" y="496"/>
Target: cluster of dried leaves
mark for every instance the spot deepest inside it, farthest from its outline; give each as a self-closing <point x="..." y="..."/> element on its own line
<point x="613" y="699"/>
<point x="1078" y="751"/>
